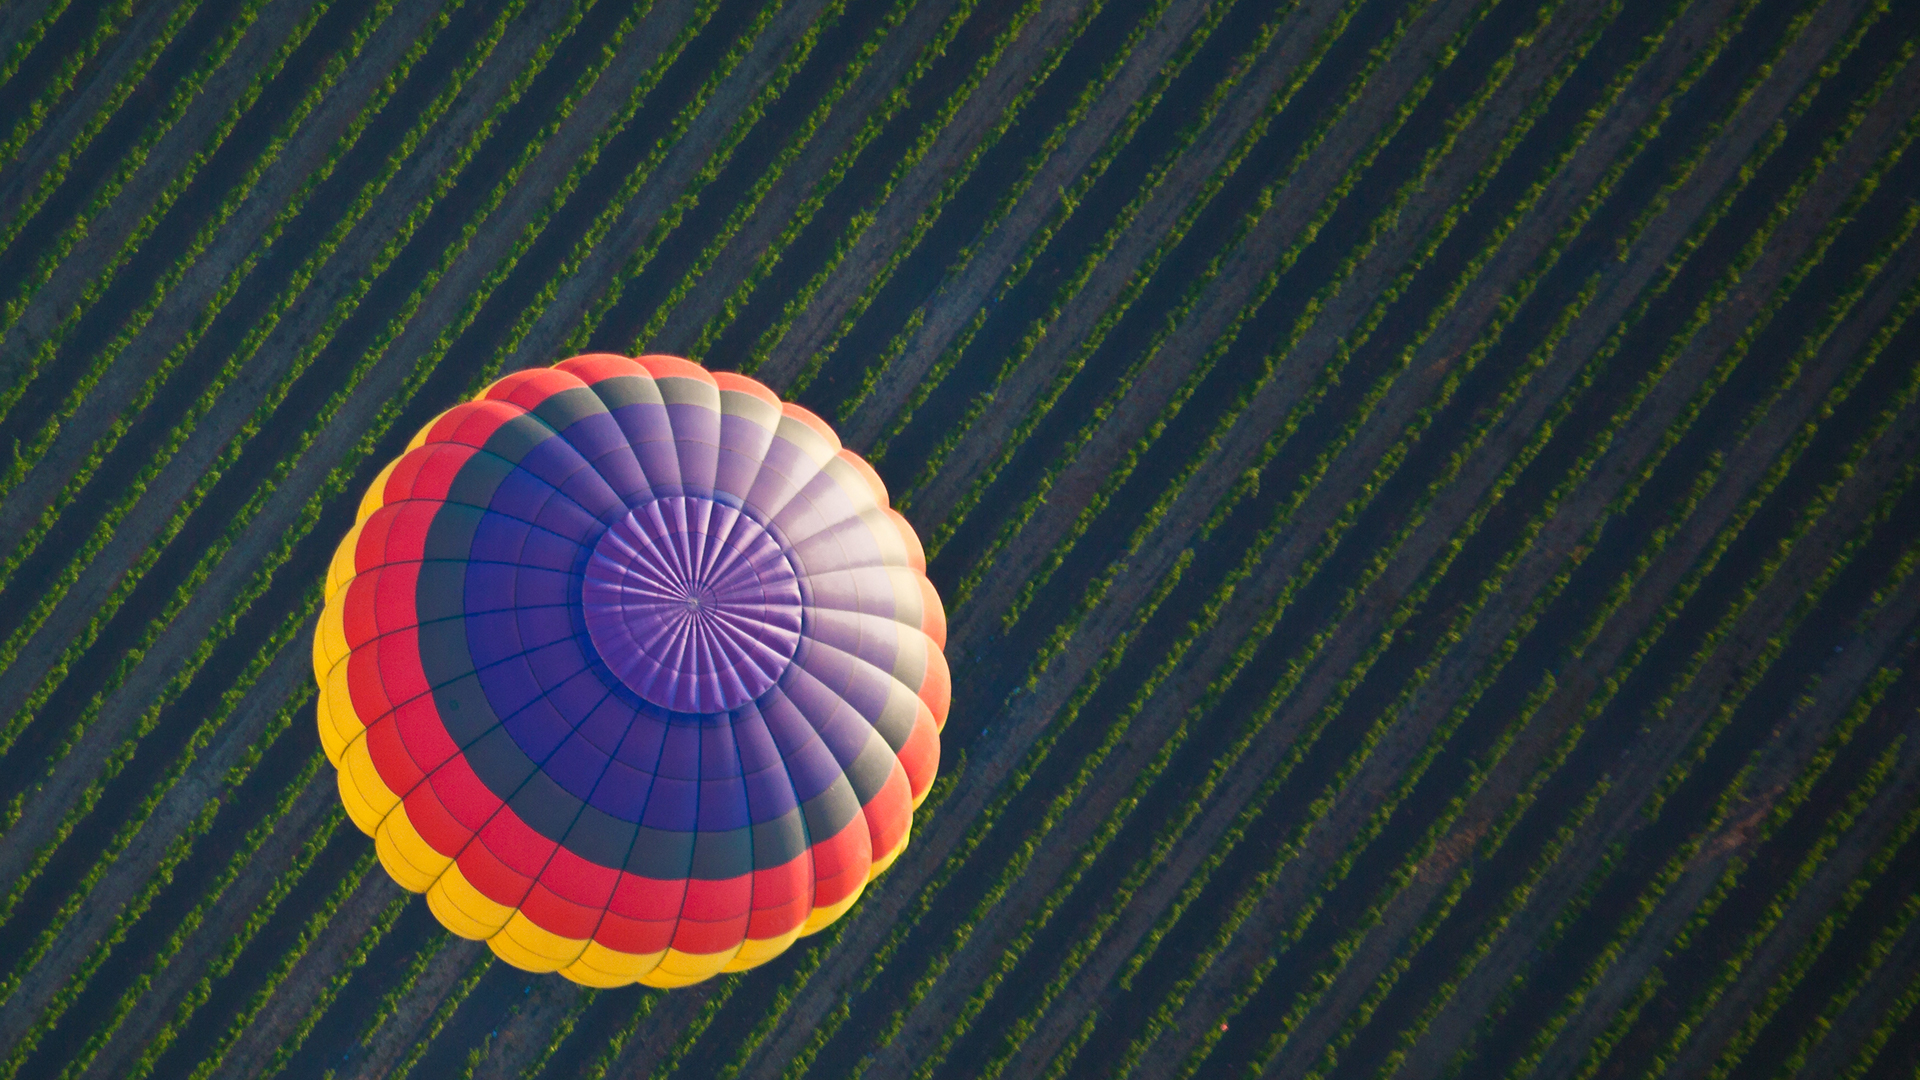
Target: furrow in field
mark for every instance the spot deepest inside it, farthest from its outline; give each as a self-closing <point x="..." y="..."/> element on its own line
<point x="1149" y="735"/>
<point x="1774" y="983"/>
<point x="91" y="255"/>
<point x="44" y="137"/>
<point x="964" y="294"/>
<point x="1860" y="1017"/>
<point x="1774" y="967"/>
<point x="304" y="153"/>
<point x="1431" y="880"/>
<point x="469" y="977"/>
<point x="1183" y="860"/>
<point x="910" y="194"/>
<point x="299" y="992"/>
<point x="164" y="824"/>
<point x="24" y="25"/>
<point x="1126" y="432"/>
<point x="1627" y="448"/>
<point x="1718" y="704"/>
<point x="1688" y="903"/>
<point x="91" y="1006"/>
<point x="88" y="252"/>
<point x="231" y="416"/>
<point x="1572" y="310"/>
<point x="380" y="1051"/>
<point x="1024" y="394"/>
<point x="1534" y="746"/>
<point x="684" y="159"/>
<point x="645" y="1045"/>
<point x="173" y="983"/>
<point x="1030" y="713"/>
<point x="1369" y="960"/>
<point x="758" y="237"/>
<point x="517" y="1046"/>
<point x="1312" y="1051"/>
<point x="241" y="912"/>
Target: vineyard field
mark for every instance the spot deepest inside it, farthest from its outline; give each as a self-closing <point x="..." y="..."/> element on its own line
<point x="1426" y="495"/>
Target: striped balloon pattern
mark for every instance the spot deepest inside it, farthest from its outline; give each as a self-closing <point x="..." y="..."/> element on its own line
<point x="631" y="669"/>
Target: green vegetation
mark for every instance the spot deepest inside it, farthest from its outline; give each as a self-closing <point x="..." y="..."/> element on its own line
<point x="1423" y="493"/>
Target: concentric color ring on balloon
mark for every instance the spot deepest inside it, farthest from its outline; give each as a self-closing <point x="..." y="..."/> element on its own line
<point x="630" y="668"/>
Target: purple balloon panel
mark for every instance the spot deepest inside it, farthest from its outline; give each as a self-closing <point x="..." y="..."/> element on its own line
<point x="692" y="604"/>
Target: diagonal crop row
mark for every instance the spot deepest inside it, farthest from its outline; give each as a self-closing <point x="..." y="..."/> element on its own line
<point x="1732" y="967"/>
<point x="1164" y="840"/>
<point x="745" y="207"/>
<point x="1040" y="326"/>
<point x="47" y="261"/>
<point x="1108" y="829"/>
<point x="1556" y="848"/>
<point x="132" y="161"/>
<point x="249" y="847"/>
<point x="96" y="457"/>
<point x="1276" y="103"/>
<point x="857" y="225"/>
<point x="636" y="178"/>
<point x="34" y="34"/>
<point x="1072" y="196"/>
<point x="1483" y="766"/>
<point x="1413" y="771"/>
<point x="1644" y="641"/>
<point x="1117" y="475"/>
<point x="1525" y="456"/>
<point x="178" y="436"/>
<point x="961" y="173"/>
<point x="111" y="21"/>
<point x="236" y="943"/>
<point x="717" y="160"/>
<point x="836" y="171"/>
<point x="36" y="447"/>
<point x="88" y="888"/>
<point x="1844" y="995"/>
<point x="1023" y="186"/>
<point x="1785" y="982"/>
<point x="1649" y="897"/>
<point x="310" y="933"/>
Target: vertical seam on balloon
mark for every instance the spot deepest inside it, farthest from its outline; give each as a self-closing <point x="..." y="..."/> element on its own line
<point x="539" y="766"/>
<point x="653" y="776"/>
<point x="625" y="444"/>
<point x="740" y="763"/>
<point x="562" y="841"/>
<point x="686" y="875"/>
<point x="500" y="723"/>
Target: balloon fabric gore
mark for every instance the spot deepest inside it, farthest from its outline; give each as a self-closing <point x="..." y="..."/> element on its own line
<point x="631" y="669"/>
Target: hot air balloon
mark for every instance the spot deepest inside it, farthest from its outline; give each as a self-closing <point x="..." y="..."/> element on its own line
<point x="631" y="669"/>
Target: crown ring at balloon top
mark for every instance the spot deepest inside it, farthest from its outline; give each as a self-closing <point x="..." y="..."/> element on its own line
<point x="631" y="669"/>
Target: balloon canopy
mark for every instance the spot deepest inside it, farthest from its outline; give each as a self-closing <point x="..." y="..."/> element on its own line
<point x="631" y="669"/>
